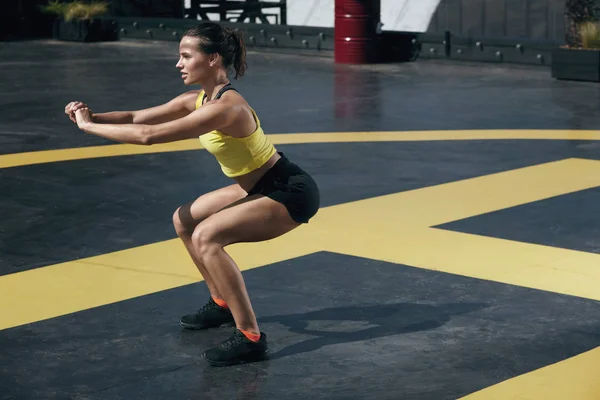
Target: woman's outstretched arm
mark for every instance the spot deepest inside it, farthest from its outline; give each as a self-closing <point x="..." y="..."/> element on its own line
<point x="176" y="108"/>
<point x="207" y="118"/>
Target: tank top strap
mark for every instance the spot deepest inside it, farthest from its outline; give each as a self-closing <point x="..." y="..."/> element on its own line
<point x="220" y="92"/>
<point x="224" y="89"/>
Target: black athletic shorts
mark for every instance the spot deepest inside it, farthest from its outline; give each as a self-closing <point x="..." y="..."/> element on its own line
<point x="288" y="184"/>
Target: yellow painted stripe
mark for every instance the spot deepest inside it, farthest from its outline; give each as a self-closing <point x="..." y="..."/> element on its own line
<point x="47" y="156"/>
<point x="84" y="153"/>
<point x="493" y="192"/>
<point x="68" y="287"/>
<point x="574" y="378"/>
<point x="515" y="263"/>
<point x="452" y="201"/>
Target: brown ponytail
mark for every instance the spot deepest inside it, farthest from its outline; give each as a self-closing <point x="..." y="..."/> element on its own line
<point x="229" y="43"/>
<point x="236" y="51"/>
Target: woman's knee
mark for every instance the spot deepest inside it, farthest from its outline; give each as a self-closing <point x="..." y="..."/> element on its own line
<point x="181" y="222"/>
<point x="206" y="239"/>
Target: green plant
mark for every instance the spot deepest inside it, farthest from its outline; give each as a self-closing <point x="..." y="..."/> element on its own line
<point x="590" y="35"/>
<point x="578" y="13"/>
<point x="54" y="7"/>
<point x="76" y="9"/>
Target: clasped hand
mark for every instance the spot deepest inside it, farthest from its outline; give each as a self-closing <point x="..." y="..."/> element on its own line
<point x="79" y="113"/>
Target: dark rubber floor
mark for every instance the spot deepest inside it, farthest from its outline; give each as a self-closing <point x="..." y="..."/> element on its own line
<point x="575" y="222"/>
<point x="340" y="327"/>
<point x="290" y="93"/>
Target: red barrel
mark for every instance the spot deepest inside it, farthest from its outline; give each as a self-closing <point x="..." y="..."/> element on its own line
<point x="355" y="31"/>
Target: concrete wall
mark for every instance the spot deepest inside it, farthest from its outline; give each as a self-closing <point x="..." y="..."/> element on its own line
<point x="532" y="19"/>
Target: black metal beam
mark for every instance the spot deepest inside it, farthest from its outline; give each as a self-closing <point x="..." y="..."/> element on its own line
<point x="248" y="9"/>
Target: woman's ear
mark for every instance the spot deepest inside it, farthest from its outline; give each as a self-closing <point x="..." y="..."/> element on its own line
<point x="213" y="59"/>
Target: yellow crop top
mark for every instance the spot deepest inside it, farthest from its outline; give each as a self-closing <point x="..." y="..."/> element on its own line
<point x="237" y="156"/>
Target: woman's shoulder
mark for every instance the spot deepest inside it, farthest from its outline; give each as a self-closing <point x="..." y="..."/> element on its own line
<point x="232" y="96"/>
<point x="194" y="97"/>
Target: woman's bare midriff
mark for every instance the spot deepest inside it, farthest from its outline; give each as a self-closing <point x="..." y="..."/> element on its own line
<point x="248" y="181"/>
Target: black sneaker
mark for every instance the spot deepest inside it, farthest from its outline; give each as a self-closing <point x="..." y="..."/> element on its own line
<point x="211" y="315"/>
<point x="238" y="349"/>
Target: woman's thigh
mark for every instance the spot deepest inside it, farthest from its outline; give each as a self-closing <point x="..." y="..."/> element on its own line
<point x="253" y="219"/>
<point x="189" y="215"/>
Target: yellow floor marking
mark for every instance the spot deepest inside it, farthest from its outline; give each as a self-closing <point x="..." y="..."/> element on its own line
<point x="528" y="265"/>
<point x="59" y="289"/>
<point x="47" y="156"/>
<point x="394" y="228"/>
<point x="84" y="153"/>
<point x="453" y="201"/>
<point x="574" y="378"/>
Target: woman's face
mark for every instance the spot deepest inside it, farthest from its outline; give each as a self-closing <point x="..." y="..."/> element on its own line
<point x="194" y="65"/>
